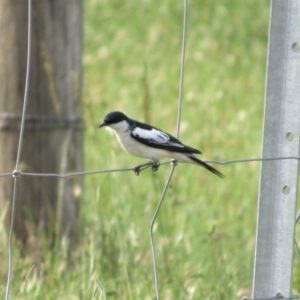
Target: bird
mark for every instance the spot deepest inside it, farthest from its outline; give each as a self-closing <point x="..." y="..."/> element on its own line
<point x="143" y="140"/>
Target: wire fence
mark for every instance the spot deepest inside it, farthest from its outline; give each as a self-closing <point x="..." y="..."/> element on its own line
<point x="17" y="174"/>
<point x="273" y="298"/>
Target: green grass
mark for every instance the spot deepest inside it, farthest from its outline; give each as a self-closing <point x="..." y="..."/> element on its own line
<point x="205" y="231"/>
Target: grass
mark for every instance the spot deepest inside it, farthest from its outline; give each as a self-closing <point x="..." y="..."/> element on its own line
<point x="205" y="231"/>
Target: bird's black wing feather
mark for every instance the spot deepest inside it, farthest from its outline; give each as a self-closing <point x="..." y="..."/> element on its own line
<point x="156" y="138"/>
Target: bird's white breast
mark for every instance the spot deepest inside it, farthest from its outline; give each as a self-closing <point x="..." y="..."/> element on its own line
<point x="134" y="147"/>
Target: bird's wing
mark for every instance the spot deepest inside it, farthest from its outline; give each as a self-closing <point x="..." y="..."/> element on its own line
<point x="153" y="137"/>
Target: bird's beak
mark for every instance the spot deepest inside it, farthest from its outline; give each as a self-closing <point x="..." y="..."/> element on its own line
<point x="102" y="124"/>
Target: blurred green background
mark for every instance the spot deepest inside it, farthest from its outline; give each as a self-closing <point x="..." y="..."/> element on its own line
<point x="205" y="231"/>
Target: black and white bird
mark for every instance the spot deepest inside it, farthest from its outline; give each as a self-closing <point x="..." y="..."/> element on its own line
<point x="143" y="140"/>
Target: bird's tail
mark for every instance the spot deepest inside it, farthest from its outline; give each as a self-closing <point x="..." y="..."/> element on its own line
<point x="205" y="165"/>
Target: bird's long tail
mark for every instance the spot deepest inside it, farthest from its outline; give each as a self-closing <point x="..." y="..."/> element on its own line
<point x="205" y="165"/>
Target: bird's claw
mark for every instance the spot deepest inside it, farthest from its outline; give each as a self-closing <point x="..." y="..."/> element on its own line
<point x="155" y="166"/>
<point x="137" y="170"/>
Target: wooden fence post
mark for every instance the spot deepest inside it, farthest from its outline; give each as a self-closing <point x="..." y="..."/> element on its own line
<point x="53" y="136"/>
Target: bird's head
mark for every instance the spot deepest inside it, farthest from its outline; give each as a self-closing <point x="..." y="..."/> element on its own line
<point x="114" y="118"/>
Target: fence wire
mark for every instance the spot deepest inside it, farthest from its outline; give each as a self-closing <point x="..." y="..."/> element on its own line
<point x="274" y="298"/>
<point x="17" y="174"/>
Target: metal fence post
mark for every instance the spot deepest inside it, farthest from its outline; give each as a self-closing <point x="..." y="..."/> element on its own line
<point x="278" y="189"/>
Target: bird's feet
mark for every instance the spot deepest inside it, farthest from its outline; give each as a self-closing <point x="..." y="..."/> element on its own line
<point x="154" y="166"/>
<point x="137" y="170"/>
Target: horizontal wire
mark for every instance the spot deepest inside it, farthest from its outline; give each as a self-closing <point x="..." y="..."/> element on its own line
<point x="273" y="298"/>
<point x="6" y="174"/>
<point x="76" y="173"/>
<point x="227" y="162"/>
<point x="234" y="161"/>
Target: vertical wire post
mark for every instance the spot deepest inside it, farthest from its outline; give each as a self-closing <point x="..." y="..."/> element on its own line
<point x="185" y="11"/>
<point x="16" y="173"/>
<point x="273" y="264"/>
<point x="174" y="164"/>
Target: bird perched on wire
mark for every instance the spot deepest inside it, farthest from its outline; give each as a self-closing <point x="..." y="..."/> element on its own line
<point x="143" y="140"/>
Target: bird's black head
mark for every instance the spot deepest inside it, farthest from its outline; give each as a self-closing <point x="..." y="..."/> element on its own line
<point x="113" y="118"/>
